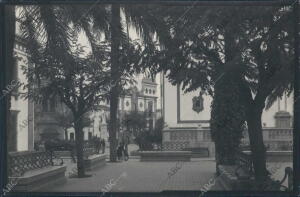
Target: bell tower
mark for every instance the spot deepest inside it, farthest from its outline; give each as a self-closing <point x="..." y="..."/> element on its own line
<point x="149" y="86"/>
<point x="149" y="91"/>
<point x="283" y="117"/>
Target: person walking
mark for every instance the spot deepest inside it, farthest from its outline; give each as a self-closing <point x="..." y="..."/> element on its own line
<point x="72" y="150"/>
<point x="97" y="144"/>
<point x="126" y="155"/>
<point x="103" y="146"/>
<point x="119" y="152"/>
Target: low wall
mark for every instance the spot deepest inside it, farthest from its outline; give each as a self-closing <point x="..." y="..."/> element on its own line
<point x="95" y="161"/>
<point x="165" y="155"/>
<point x="37" y="180"/>
<point x="180" y="138"/>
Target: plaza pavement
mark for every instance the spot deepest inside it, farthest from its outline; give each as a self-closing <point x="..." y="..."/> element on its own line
<point x="136" y="176"/>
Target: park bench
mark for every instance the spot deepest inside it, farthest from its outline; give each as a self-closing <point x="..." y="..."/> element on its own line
<point x="34" y="170"/>
<point x="245" y="171"/>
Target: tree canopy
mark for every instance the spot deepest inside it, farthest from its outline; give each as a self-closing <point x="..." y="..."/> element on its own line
<point x="211" y="46"/>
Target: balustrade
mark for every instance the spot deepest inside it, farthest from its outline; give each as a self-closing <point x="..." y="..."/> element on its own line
<point x="279" y="133"/>
<point x="175" y="145"/>
<point x="89" y="149"/>
<point x="21" y="162"/>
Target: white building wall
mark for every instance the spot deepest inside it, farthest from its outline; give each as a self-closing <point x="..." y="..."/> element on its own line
<point x="268" y="115"/>
<point x="170" y="104"/>
<point x="141" y="104"/>
<point x="186" y="112"/>
<point x="20" y="104"/>
<point x="98" y="126"/>
<point x="127" y="103"/>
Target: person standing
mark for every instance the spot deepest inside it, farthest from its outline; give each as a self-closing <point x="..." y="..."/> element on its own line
<point x="72" y="150"/>
<point x="97" y="144"/>
<point x="126" y="156"/>
<point x="103" y="146"/>
<point x="119" y="152"/>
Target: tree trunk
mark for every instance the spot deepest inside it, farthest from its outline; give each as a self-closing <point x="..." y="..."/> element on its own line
<point x="10" y="35"/>
<point x="256" y="142"/>
<point x="114" y="94"/>
<point x="79" y="146"/>
<point x="217" y="158"/>
<point x="9" y="21"/>
<point x="10" y="26"/>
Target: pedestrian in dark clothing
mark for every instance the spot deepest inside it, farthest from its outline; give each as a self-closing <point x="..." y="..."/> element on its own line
<point x="36" y="146"/>
<point x="120" y="151"/>
<point x="103" y="146"/>
<point x="72" y="150"/>
<point x="97" y="144"/>
<point x="126" y="156"/>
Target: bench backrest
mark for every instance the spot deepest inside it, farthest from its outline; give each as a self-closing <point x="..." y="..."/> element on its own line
<point x="21" y="162"/>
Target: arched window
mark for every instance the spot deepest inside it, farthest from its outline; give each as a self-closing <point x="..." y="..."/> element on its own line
<point x="153" y="91"/>
<point x="149" y="91"/>
<point x="146" y="91"/>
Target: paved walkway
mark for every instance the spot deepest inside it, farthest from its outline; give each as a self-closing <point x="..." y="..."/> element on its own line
<point x="136" y="176"/>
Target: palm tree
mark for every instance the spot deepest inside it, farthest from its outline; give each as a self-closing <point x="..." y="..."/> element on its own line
<point x="146" y="24"/>
<point x="61" y="68"/>
<point x="100" y="23"/>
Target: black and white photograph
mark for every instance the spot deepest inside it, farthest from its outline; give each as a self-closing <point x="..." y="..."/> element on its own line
<point x="149" y="97"/>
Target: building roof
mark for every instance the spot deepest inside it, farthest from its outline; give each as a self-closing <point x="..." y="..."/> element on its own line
<point x="280" y="114"/>
<point x="148" y="81"/>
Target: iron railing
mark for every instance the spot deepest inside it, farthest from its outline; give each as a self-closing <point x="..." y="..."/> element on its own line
<point x="21" y="162"/>
<point x="245" y="162"/>
<point x="288" y="174"/>
<point x="89" y="149"/>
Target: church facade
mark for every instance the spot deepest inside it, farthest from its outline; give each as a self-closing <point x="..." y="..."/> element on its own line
<point x="143" y="101"/>
<point x="187" y="118"/>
